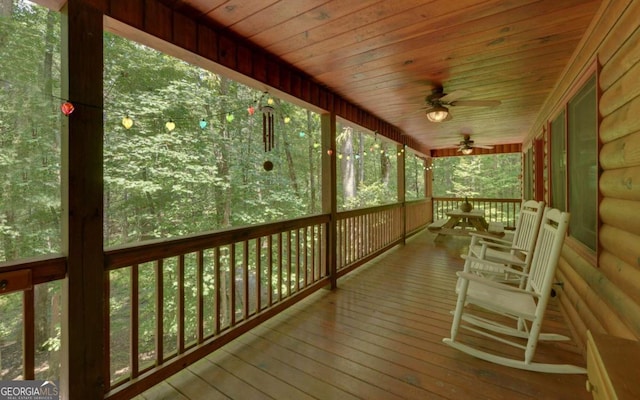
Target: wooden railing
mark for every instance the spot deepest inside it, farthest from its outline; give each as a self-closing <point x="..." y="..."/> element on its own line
<point x="500" y="210"/>
<point x="22" y="280"/>
<point x="364" y="233"/>
<point x="170" y="302"/>
<point x="418" y="214"/>
<point x="202" y="291"/>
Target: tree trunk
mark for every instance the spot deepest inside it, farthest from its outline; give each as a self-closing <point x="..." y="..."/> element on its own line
<point x="312" y="172"/>
<point x="349" y="188"/>
<point x="385" y="165"/>
<point x="287" y="150"/>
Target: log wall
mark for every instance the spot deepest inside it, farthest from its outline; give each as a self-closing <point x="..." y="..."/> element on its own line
<point x="601" y="291"/>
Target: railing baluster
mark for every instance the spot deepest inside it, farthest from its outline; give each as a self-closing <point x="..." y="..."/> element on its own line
<point x="29" y="341"/>
<point x="297" y="249"/>
<point x="217" y="288"/>
<point x="159" y="312"/>
<point x="305" y="256"/>
<point x="199" y="291"/>
<point x="280" y="265"/>
<point x="181" y="305"/>
<point x="245" y="279"/>
<point x="135" y="321"/>
<point x="270" y="269"/>
<point x="106" y="367"/>
<point x="232" y="280"/>
<point x="258" y="274"/>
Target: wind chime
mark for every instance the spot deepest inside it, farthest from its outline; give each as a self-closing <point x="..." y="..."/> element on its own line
<point x="268" y="134"/>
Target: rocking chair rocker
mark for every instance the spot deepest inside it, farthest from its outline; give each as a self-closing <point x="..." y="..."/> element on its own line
<point x="524" y="306"/>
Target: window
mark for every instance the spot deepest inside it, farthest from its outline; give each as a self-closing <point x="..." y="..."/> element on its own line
<point x="583" y="164"/>
<point x="527" y="178"/>
<point x="574" y="163"/>
<point x="558" y="163"/>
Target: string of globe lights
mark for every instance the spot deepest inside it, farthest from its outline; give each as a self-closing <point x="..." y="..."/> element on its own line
<point x="264" y="105"/>
<point x="268" y="111"/>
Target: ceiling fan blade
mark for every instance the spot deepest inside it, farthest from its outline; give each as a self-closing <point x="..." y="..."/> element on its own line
<point x="475" y="103"/>
<point x="480" y="146"/>
<point x="448" y="98"/>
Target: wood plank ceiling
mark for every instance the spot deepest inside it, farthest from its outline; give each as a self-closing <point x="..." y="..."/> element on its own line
<point x="387" y="56"/>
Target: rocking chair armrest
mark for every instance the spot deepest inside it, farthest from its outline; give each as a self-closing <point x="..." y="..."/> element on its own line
<point x="470" y="276"/>
<point x="494" y="264"/>
<point x="487" y="236"/>
<point x="500" y="246"/>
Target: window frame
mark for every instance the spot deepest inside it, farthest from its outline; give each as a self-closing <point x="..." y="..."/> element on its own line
<point x="562" y="106"/>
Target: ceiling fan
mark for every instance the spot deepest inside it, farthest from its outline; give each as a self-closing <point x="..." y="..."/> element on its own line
<point x="467" y="145"/>
<point x="438" y="100"/>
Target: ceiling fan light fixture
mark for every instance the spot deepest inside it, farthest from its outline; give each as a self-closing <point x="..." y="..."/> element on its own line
<point x="437" y="113"/>
<point x="467" y="150"/>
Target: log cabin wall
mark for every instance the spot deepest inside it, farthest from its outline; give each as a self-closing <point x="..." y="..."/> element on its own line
<point x="188" y="35"/>
<point x="601" y="291"/>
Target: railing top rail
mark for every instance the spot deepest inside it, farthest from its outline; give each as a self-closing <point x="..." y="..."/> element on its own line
<point x="43" y="268"/>
<point x="418" y="201"/>
<point x="365" y="211"/>
<point x="476" y="199"/>
<point x="147" y="251"/>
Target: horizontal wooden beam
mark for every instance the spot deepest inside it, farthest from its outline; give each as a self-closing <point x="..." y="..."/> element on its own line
<point x="498" y="149"/>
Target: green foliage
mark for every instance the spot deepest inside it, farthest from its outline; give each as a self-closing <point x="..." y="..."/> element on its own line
<point x="488" y="176"/>
<point x="367" y="168"/>
<point x="163" y="183"/>
<point x="29" y="132"/>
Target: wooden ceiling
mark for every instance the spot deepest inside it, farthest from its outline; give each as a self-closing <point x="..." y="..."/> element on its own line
<point x="387" y="56"/>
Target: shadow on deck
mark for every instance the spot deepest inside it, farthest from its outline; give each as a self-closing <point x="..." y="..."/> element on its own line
<point x="378" y="336"/>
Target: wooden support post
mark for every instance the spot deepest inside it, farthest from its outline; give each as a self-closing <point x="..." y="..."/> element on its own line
<point x="83" y="340"/>
<point x="329" y="203"/>
<point x="400" y="168"/>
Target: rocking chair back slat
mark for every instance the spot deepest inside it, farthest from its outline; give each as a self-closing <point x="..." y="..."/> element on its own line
<point x="548" y="247"/>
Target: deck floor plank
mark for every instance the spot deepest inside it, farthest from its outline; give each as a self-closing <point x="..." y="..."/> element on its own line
<point x="378" y="336"/>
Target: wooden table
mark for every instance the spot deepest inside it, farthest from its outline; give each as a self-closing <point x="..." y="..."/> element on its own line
<point x="461" y="223"/>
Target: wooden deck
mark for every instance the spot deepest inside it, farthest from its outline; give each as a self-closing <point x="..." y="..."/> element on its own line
<point x="378" y="336"/>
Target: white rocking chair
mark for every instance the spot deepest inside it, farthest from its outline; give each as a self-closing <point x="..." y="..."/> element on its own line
<point x="516" y="253"/>
<point x="525" y="307"/>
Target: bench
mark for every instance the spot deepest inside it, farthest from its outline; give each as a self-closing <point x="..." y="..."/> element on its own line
<point x="437" y="224"/>
<point x="496" y="228"/>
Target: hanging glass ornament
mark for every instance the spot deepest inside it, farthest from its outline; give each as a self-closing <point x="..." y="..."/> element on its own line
<point x="127" y="122"/>
<point x="301" y="134"/>
<point x="287" y="120"/>
<point x="67" y="108"/>
<point x="230" y="117"/>
<point x="251" y="110"/>
<point x="170" y="125"/>
<point x="203" y="123"/>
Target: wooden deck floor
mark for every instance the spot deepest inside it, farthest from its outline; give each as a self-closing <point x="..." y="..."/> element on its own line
<point x="378" y="336"/>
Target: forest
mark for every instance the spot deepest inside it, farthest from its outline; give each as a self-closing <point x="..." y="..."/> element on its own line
<point x="494" y="176"/>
